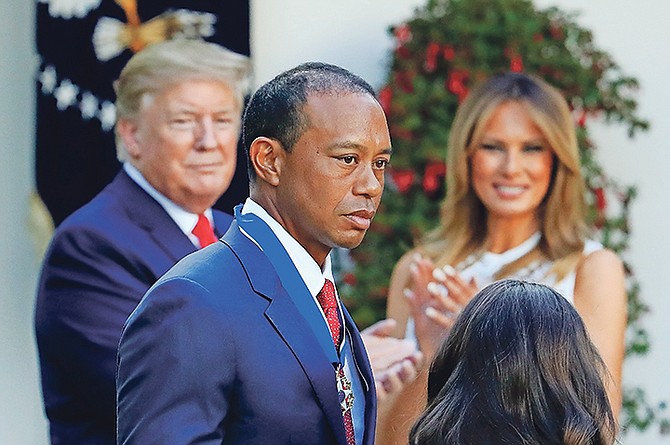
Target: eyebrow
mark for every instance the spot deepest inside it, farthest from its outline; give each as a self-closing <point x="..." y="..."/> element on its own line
<point x="485" y="140"/>
<point x="195" y="110"/>
<point x="355" y="146"/>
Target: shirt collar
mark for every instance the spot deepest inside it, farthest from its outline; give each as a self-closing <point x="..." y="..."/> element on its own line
<point x="313" y="276"/>
<point x="184" y="219"/>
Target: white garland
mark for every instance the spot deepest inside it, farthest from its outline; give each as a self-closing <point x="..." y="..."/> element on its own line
<point x="68" y="94"/>
<point x="68" y="9"/>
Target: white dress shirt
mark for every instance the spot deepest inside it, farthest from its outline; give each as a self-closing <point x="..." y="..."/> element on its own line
<point x="184" y="219"/>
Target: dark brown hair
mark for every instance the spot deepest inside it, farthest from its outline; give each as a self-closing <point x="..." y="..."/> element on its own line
<point x="518" y="367"/>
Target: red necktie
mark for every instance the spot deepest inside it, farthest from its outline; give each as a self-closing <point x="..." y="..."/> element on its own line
<point x="328" y="302"/>
<point x="204" y="232"/>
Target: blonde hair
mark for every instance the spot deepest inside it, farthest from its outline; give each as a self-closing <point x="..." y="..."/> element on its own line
<point x="464" y="218"/>
<point x="162" y="65"/>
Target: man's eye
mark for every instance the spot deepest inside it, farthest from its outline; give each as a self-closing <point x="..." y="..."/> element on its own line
<point x="381" y="164"/>
<point x="223" y="120"/>
<point x="348" y="159"/>
<point x="182" y="122"/>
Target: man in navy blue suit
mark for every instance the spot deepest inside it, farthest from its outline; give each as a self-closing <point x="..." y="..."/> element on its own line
<point x="236" y="344"/>
<point x="179" y="107"/>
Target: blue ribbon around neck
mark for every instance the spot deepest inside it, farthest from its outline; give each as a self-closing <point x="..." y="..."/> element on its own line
<point x="290" y="278"/>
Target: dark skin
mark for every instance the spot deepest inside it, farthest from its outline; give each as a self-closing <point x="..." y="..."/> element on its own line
<point x="326" y="191"/>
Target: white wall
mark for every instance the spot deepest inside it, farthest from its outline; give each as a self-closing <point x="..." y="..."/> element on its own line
<point x="351" y="33"/>
<point x="21" y="420"/>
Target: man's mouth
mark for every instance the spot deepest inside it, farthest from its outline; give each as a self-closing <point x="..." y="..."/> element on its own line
<point x="361" y="218"/>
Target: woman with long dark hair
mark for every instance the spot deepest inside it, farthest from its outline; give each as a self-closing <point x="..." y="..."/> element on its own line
<point x="518" y="367"/>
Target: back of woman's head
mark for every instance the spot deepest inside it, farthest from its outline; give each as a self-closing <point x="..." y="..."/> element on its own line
<point x="517" y="368"/>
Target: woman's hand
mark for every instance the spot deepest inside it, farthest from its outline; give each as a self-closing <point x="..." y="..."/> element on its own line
<point x="435" y="298"/>
<point x="452" y="293"/>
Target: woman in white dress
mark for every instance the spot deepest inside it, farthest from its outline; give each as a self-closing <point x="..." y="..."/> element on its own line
<point x="514" y="209"/>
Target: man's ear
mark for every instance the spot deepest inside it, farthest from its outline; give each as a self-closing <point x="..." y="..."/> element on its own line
<point x="267" y="157"/>
<point x="127" y="131"/>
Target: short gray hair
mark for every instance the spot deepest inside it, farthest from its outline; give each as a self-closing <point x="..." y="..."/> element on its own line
<point x="162" y="65"/>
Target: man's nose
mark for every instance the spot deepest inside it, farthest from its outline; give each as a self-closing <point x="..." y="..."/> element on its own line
<point x="206" y="138"/>
<point x="369" y="183"/>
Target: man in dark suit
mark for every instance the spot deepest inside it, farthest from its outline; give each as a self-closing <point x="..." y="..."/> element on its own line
<point x="179" y="109"/>
<point x="246" y="342"/>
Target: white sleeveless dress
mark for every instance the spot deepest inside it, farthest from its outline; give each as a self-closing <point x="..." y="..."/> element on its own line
<point x="483" y="268"/>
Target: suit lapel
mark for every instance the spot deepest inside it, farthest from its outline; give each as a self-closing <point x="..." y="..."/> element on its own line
<point x="149" y="215"/>
<point x="290" y="325"/>
<point x="283" y="314"/>
<point x="365" y="371"/>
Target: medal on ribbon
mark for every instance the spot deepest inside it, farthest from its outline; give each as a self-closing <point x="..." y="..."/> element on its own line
<point x="344" y="392"/>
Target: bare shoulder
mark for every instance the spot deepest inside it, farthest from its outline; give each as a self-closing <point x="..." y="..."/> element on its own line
<point x="600" y="279"/>
<point x="600" y="264"/>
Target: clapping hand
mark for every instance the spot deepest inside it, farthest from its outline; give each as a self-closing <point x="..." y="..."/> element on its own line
<point x="436" y="297"/>
<point x="451" y="292"/>
<point x="395" y="362"/>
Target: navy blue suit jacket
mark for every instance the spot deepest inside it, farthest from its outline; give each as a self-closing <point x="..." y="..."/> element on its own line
<point x="101" y="261"/>
<point x="217" y="353"/>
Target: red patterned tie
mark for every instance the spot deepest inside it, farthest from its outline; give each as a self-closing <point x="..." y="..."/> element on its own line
<point x="328" y="302"/>
<point x="204" y="232"/>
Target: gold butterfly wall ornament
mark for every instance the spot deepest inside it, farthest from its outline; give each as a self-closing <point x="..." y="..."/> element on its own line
<point x="112" y="36"/>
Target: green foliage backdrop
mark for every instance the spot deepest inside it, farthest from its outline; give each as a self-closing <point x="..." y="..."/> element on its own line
<point x="440" y="53"/>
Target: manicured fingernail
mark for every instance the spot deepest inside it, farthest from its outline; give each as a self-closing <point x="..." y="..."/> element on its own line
<point x="413" y="268"/>
<point x="437" y="289"/>
<point x="431" y="312"/>
<point x="449" y="270"/>
<point x="408" y="293"/>
<point x="439" y="275"/>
